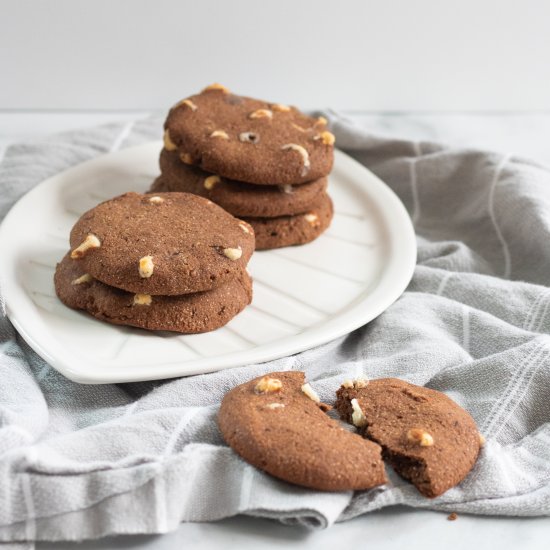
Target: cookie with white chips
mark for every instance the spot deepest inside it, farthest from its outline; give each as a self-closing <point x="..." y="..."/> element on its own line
<point x="278" y="424"/>
<point x="293" y="230"/>
<point x="188" y="313"/>
<point x="249" y="140"/>
<point x="238" y="198"/>
<point x="161" y="244"/>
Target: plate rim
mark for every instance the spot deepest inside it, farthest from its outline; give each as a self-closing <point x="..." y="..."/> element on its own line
<point x="398" y="272"/>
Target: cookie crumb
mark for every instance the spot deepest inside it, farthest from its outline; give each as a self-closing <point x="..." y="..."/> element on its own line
<point x="452" y="516"/>
<point x="146" y="267"/>
<point x="261" y="113"/>
<point x="311" y="393"/>
<point x="358" y="417"/>
<point x="211" y="181"/>
<point x="233" y="253"/>
<point x="268" y="385"/>
<point x="86" y="278"/>
<point x="219" y="133"/>
<point x="482" y="440"/>
<point x="142" y="300"/>
<point x="321" y="121"/>
<point x="169" y="145"/>
<point x="303" y="153"/>
<point x="420" y="436"/>
<point x="91" y="241"/>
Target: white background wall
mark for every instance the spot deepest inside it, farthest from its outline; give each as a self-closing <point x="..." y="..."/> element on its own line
<point x="359" y="55"/>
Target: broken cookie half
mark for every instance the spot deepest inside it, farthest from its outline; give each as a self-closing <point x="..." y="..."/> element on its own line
<point x="426" y="437"/>
<point x="278" y="424"/>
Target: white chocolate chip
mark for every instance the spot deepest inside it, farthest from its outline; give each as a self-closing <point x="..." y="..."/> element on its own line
<point x="421" y="437"/>
<point x="142" y="299"/>
<point x="267" y="384"/>
<point x="245" y="227"/>
<point x="169" y="145"/>
<point x="91" y="241"/>
<point x="311" y="218"/>
<point x="261" y="113"/>
<point x="186" y="102"/>
<point x="86" y="278"/>
<point x="347" y="384"/>
<point x="156" y="200"/>
<point x="311" y="393"/>
<point x="280" y="107"/>
<point x="358" y="417"/>
<point x="360" y="383"/>
<point x="214" y="87"/>
<point x="299" y="128"/>
<point x="321" y="121"/>
<point x="326" y="137"/>
<point x="211" y="181"/>
<point x="287" y="188"/>
<point x="219" y="133"/>
<point x="186" y="158"/>
<point x="233" y="253"/>
<point x="249" y="137"/>
<point x="146" y="267"/>
<point x="275" y="406"/>
<point x="303" y="153"/>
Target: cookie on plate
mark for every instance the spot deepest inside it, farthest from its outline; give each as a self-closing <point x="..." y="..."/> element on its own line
<point x="238" y="198"/>
<point x="278" y="424"/>
<point x="293" y="230"/>
<point x="161" y="244"/>
<point x="189" y="313"/>
<point x="248" y="139"/>
<point x="425" y="436"/>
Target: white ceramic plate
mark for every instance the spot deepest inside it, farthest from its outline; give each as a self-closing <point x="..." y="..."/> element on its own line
<point x="303" y="296"/>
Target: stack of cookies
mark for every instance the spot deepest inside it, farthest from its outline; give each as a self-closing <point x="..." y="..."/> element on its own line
<point x="265" y="163"/>
<point x="168" y="261"/>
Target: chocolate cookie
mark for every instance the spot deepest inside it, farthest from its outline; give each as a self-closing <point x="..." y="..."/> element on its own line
<point x="189" y="313"/>
<point x="425" y="436"/>
<point x="292" y="230"/>
<point x="164" y="244"/>
<point x="249" y="140"/>
<point x="238" y="198"/>
<point x="277" y="424"/>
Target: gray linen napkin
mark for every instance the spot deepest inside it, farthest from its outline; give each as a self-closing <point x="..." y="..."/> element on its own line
<point x="87" y="461"/>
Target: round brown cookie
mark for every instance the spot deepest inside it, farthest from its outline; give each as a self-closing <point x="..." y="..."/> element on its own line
<point x="238" y="198"/>
<point x="278" y="427"/>
<point x="293" y="230"/>
<point x="188" y="313"/>
<point x="426" y="436"/>
<point x="165" y="244"/>
<point x="249" y="140"/>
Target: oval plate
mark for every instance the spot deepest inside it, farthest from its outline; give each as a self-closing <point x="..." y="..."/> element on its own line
<point x="303" y="296"/>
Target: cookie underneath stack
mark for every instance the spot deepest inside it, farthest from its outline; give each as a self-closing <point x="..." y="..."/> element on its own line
<point x="170" y="261"/>
<point x="265" y="163"/>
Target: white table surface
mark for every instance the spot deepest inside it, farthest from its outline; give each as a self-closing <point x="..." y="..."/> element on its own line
<point x="394" y="528"/>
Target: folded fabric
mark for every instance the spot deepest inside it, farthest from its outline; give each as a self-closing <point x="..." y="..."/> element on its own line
<point x="87" y="461"/>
